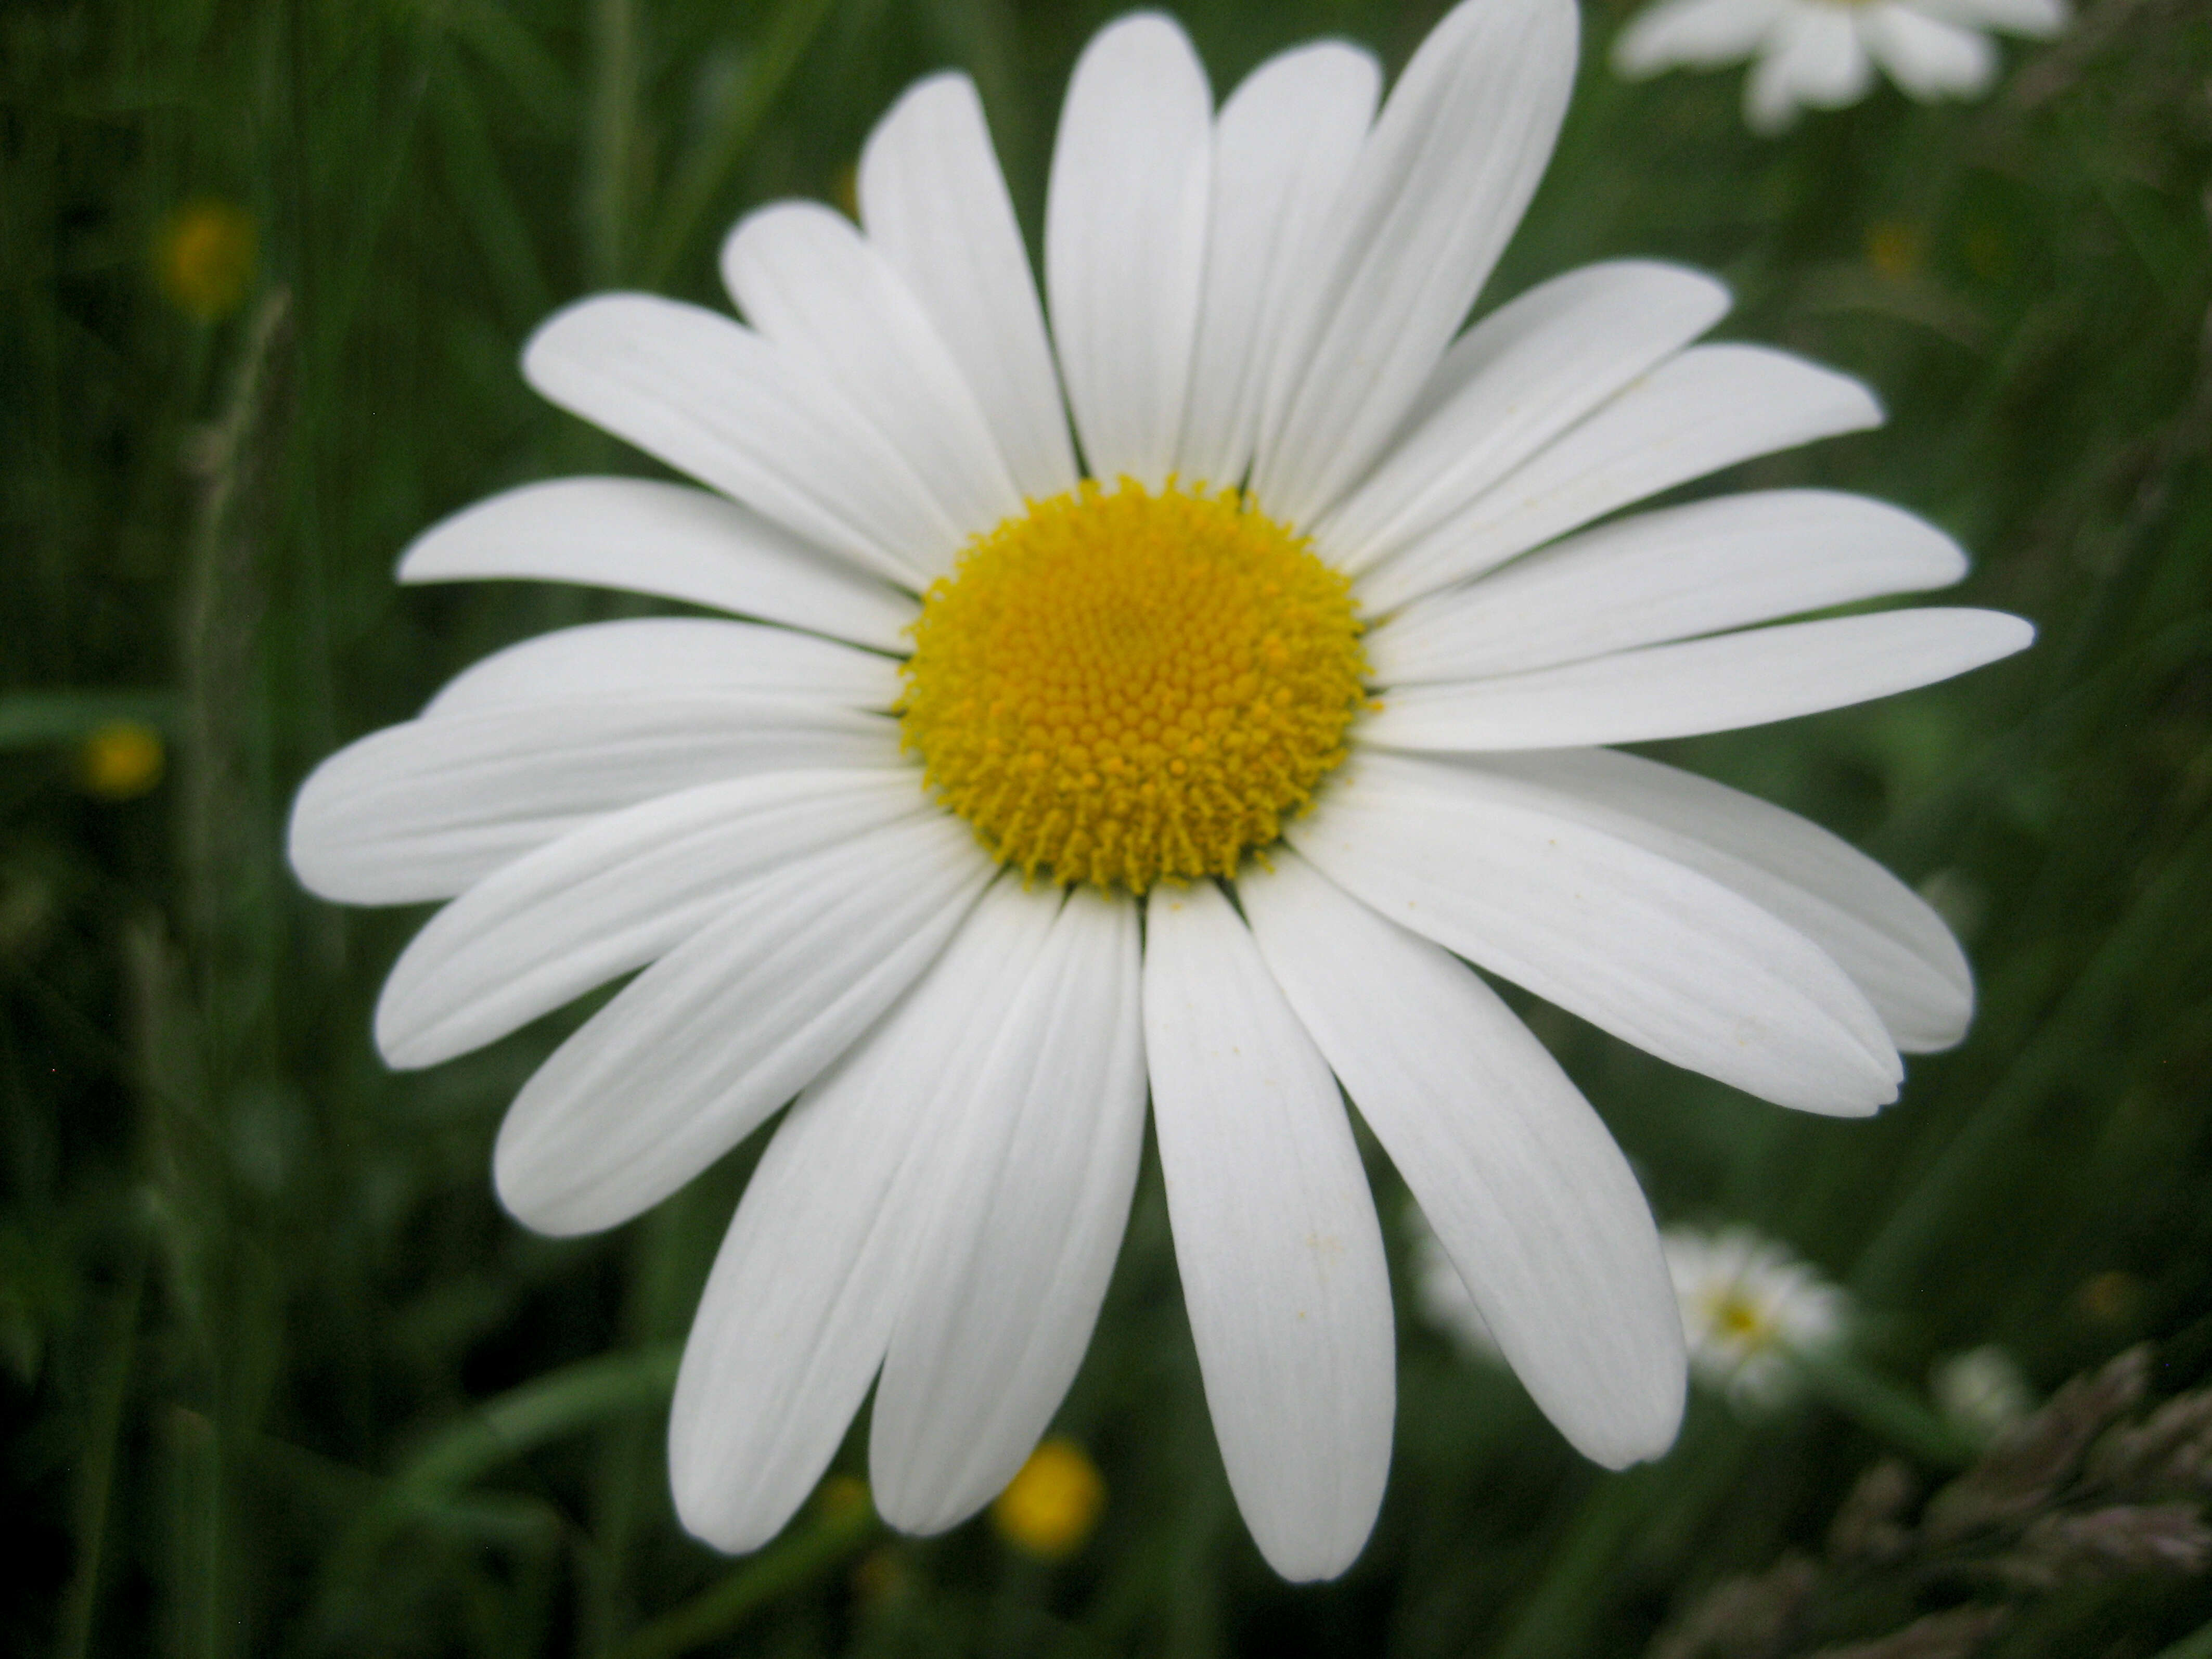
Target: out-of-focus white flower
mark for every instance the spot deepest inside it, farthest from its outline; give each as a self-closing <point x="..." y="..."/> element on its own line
<point x="1440" y="1295"/>
<point x="1982" y="1391"/>
<point x="1748" y="1306"/>
<point x="1822" y="54"/>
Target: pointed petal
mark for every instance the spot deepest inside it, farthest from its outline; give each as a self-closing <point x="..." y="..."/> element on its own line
<point x="1715" y="684"/>
<point x="1813" y="60"/>
<point x="611" y="897"/>
<point x="934" y="203"/>
<point x="1125" y="241"/>
<point x="1436" y="192"/>
<point x="1928" y="58"/>
<point x="1036" y="1173"/>
<point x="1894" y="947"/>
<point x="1672" y="575"/>
<point x="696" y="1051"/>
<point x="1275" y="1238"/>
<point x="803" y="1298"/>
<point x="1511" y="384"/>
<point x="1526" y="1192"/>
<point x="1286" y="141"/>
<point x="1708" y="408"/>
<point x="2037" y="18"/>
<point x="716" y="400"/>
<point x="665" y="539"/>
<point x="1649" y="948"/>
<point x="807" y="280"/>
<point x="675" y="654"/>
<point x="425" y="808"/>
<point x="1693" y="35"/>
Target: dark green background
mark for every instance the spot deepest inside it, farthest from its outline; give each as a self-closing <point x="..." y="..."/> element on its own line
<point x="263" y="1327"/>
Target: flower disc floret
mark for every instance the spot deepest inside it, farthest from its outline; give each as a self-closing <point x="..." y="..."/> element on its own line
<point x="1124" y="686"/>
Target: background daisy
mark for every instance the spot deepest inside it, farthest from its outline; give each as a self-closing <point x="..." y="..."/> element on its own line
<point x="1822" y="54"/>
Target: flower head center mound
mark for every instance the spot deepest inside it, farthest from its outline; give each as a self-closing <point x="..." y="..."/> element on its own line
<point x="1121" y="686"/>
<point x="1735" y="1319"/>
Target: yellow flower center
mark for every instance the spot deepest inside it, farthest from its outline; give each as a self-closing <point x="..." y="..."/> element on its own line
<point x="1129" y="686"/>
<point x="1738" y="1320"/>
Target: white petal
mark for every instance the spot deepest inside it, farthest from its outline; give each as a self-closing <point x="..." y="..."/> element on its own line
<point x="661" y="538"/>
<point x="1125" y="241"/>
<point x="1894" y="947"/>
<point x="1286" y="141"/>
<point x="1666" y="575"/>
<point x="714" y="399"/>
<point x="800" y="1305"/>
<point x="1814" y="59"/>
<point x="1715" y="684"/>
<point x="1928" y="58"/>
<point x="1692" y="33"/>
<point x="1650" y="950"/>
<point x="806" y="279"/>
<point x="675" y="654"/>
<point x="696" y="1051"/>
<point x="1511" y="384"/>
<point x="421" y="810"/>
<point x="1039" y="1159"/>
<point x="934" y="203"/>
<point x="1275" y="1239"/>
<point x="611" y="897"/>
<point x="1708" y="408"/>
<point x="1436" y="192"/>
<point x="1529" y="1196"/>
<point x="2036" y="18"/>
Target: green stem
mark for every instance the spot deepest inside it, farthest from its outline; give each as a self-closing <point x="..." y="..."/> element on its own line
<point x="2196" y="1645"/>
<point x="1884" y="1409"/>
<point x="82" y="1599"/>
<point x="797" y="1560"/>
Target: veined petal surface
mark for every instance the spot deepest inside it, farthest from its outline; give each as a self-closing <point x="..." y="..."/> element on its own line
<point x="1437" y="190"/>
<point x="1043" y="1123"/>
<point x="611" y="897"/>
<point x="424" y="809"/>
<point x="934" y="203"/>
<point x="1708" y="408"/>
<point x="1649" y="948"/>
<point x="1892" y="944"/>
<point x="1669" y="575"/>
<point x="666" y="654"/>
<point x="698" y="1050"/>
<point x="1511" y="384"/>
<point x="644" y="536"/>
<point x="1275" y="1238"/>
<point x="809" y="281"/>
<point x="1526" y="1192"/>
<point x="1286" y="141"/>
<point x="714" y="399"/>
<point x="1124" y="242"/>
<point x="1715" y="684"/>
<point x="806" y="1290"/>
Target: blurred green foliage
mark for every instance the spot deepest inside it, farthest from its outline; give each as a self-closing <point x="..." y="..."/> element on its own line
<point x="277" y="1376"/>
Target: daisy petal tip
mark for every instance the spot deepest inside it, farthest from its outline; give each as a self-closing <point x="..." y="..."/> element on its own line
<point x="533" y="1187"/>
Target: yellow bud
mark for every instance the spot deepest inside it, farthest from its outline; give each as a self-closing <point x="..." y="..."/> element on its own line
<point x="1050" y="1507"/>
<point x="121" y="760"/>
<point x="204" y="259"/>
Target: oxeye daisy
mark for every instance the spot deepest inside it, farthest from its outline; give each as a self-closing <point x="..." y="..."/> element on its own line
<point x="1749" y="1308"/>
<point x="1822" y="54"/>
<point x="1187" y="746"/>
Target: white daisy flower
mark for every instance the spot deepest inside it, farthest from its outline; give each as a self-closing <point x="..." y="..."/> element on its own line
<point x="1822" y="54"/>
<point x="1748" y="1306"/>
<point x="1019" y="796"/>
